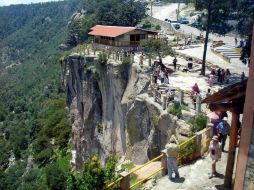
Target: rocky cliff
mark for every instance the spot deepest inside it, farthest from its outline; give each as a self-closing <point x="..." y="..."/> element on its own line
<point x="111" y="112"/>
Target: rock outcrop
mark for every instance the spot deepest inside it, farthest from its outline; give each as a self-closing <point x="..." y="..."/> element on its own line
<point x="111" y="112"/>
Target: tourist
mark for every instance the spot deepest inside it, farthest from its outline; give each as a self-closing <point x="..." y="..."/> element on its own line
<point x="195" y="88"/>
<point x="219" y="75"/>
<point x="208" y="92"/>
<point x="242" y="76"/>
<point x="211" y="79"/>
<point x="172" y="150"/>
<point x="222" y="76"/>
<point x="215" y="153"/>
<point x="236" y="41"/>
<point x="227" y="75"/>
<point x="162" y="76"/>
<point x="223" y="130"/>
<point x="213" y="72"/>
<point x="166" y="77"/>
<point x="193" y="99"/>
<point x="169" y="94"/>
<point x="156" y="73"/>
<point x="174" y="63"/>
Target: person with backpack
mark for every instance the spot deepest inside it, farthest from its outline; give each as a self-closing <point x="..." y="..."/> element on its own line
<point x="223" y="129"/>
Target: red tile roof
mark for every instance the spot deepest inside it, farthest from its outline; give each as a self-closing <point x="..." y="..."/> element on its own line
<point x="109" y="31"/>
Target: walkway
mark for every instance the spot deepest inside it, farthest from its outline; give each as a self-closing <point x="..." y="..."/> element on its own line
<point x="195" y="176"/>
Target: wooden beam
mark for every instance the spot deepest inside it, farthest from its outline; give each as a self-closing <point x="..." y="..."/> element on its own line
<point x="231" y="152"/>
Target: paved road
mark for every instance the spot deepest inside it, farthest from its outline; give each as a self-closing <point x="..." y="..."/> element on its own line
<point x="169" y="11"/>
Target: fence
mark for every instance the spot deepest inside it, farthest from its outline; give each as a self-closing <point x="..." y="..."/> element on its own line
<point x="159" y="93"/>
<point x="190" y="150"/>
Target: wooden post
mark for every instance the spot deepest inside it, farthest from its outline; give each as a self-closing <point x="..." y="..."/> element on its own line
<point x="141" y="59"/>
<point x="154" y="94"/>
<point x="117" y="55"/>
<point x="198" y="147"/>
<point x="132" y="57"/>
<point x="181" y="97"/>
<point x="150" y="61"/>
<point x="108" y="54"/>
<point x="125" y="182"/>
<point x="164" y="102"/>
<point x="151" y="80"/>
<point x="198" y="103"/>
<point x="231" y="151"/>
<point x="164" y="165"/>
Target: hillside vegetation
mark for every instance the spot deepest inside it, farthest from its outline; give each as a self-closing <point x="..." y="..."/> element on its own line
<point x="34" y="120"/>
<point x="34" y="123"/>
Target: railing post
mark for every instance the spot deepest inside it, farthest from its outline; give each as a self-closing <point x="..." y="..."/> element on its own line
<point x="132" y="57"/>
<point x="164" y="102"/>
<point x="150" y="61"/>
<point x="164" y="165"/>
<point x="198" y="152"/>
<point x="154" y="94"/>
<point x="125" y="182"/>
<point x="198" y="104"/>
<point x="141" y="59"/>
<point x="181" y="96"/>
<point x="151" y="80"/>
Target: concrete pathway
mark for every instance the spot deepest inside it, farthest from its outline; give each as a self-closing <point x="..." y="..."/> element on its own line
<point x="195" y="176"/>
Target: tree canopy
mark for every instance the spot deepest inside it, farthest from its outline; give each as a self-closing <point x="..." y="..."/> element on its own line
<point x="156" y="47"/>
<point x="104" y="12"/>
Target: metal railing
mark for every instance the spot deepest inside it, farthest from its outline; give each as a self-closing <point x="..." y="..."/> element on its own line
<point x="184" y="144"/>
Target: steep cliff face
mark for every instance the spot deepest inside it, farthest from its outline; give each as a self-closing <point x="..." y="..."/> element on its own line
<point x="112" y="113"/>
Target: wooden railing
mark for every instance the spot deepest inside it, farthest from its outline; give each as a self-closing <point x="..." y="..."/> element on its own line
<point x="117" y="43"/>
<point x="201" y="142"/>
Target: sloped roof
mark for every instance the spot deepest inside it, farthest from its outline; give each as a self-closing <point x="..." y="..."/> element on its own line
<point x="228" y="94"/>
<point x="229" y="98"/>
<point x="110" y="31"/>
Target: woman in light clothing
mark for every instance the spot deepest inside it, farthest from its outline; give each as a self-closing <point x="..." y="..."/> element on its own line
<point x="215" y="153"/>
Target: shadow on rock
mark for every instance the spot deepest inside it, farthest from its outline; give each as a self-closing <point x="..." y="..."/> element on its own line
<point x="218" y="175"/>
<point x="221" y="187"/>
<point x="178" y="180"/>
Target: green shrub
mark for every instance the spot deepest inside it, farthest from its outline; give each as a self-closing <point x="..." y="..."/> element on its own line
<point x="56" y="178"/>
<point x="101" y="61"/>
<point x="157" y="27"/>
<point x="94" y="175"/>
<point x="198" y="122"/>
<point x="176" y="109"/>
<point x="187" y="150"/>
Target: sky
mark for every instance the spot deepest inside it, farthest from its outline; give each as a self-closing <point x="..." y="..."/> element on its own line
<point x="11" y="2"/>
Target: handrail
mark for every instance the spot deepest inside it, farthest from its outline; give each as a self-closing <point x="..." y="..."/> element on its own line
<point x="135" y="169"/>
<point x="158" y="157"/>
<point x="140" y="181"/>
<point x="114" y="182"/>
<point x="185" y="142"/>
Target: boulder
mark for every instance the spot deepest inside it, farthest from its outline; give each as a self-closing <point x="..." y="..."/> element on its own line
<point x="183" y="128"/>
<point x="187" y="115"/>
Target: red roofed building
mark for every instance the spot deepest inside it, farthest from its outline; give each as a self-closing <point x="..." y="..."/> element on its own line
<point x="116" y="37"/>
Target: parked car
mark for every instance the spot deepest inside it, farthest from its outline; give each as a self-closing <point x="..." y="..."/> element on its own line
<point x="174" y="23"/>
<point x="197" y="25"/>
<point x="184" y="21"/>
